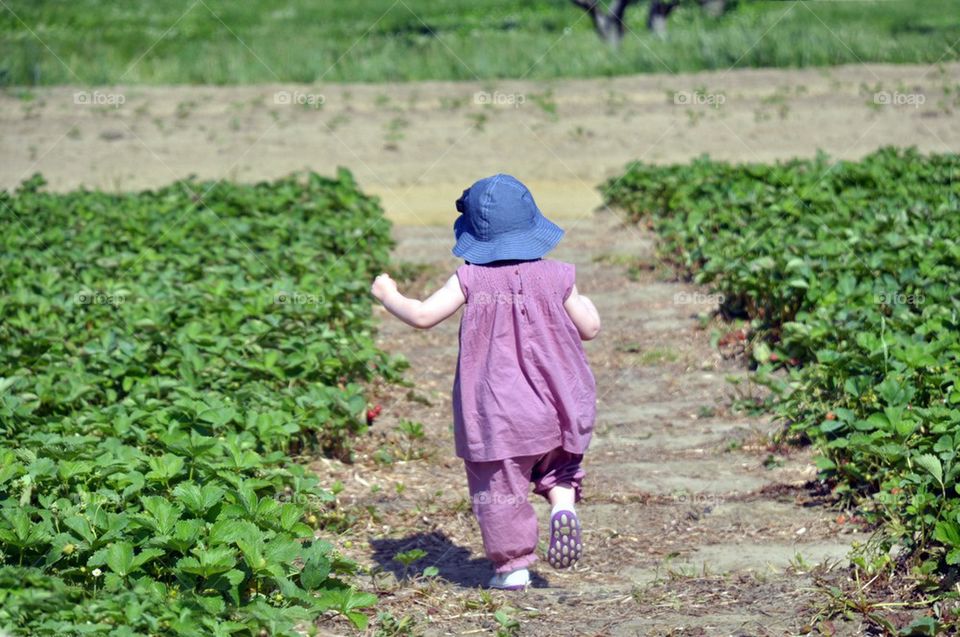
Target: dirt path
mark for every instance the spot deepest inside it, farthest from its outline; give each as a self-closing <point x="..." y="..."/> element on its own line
<point x="693" y="525"/>
<point x="417" y="145"/>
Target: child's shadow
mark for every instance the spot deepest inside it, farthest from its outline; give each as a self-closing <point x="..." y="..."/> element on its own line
<point x="453" y="562"/>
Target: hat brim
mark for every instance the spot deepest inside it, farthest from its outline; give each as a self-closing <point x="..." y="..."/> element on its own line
<point x="526" y="244"/>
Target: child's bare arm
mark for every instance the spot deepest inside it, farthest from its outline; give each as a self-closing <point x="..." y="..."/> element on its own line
<point x="583" y="314"/>
<point x="420" y="314"/>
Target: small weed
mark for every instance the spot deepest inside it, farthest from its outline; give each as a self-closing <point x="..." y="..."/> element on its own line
<point x="413" y="433"/>
<point x="484" y="602"/>
<point x="733" y="445"/>
<point x="337" y="121"/>
<point x="394" y="131"/>
<point x="185" y="109"/>
<point x="614" y="102"/>
<point x="390" y="626"/>
<point x="479" y="121"/>
<point x="546" y="102"/>
<point x="658" y="355"/>
<point x="418" y="398"/>
<point x="694" y="116"/>
<point x="452" y="103"/>
<point x="870" y="93"/>
<point x="407" y="558"/>
<point x="777" y="102"/>
<point x="382" y="456"/>
<point x="772" y="461"/>
<point x="508" y="626"/>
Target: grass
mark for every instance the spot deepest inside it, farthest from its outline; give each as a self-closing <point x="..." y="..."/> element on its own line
<point x="221" y="42"/>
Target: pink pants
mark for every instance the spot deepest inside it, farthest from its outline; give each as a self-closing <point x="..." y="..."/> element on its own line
<point x="499" y="491"/>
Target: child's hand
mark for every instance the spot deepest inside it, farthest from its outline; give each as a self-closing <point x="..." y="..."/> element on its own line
<point x="382" y="286"/>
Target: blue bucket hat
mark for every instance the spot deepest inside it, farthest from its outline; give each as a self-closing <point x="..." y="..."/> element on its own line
<point x="500" y="221"/>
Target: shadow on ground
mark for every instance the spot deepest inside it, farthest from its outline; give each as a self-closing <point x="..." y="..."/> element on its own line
<point x="454" y="562"/>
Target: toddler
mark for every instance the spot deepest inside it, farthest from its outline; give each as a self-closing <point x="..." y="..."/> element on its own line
<point x="524" y="397"/>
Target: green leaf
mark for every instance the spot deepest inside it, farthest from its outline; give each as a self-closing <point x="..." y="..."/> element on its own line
<point x="164" y="468"/>
<point x="161" y="516"/>
<point x="932" y="464"/>
<point x="119" y="558"/>
<point x="948" y="533"/>
<point x="359" y="620"/>
<point x="218" y="416"/>
<point x="823" y="463"/>
<point x="253" y="555"/>
<point x="197" y="499"/>
<point x="207" y="562"/>
<point x="761" y="352"/>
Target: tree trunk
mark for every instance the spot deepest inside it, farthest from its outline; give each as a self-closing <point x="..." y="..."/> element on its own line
<point x="607" y="22"/>
<point x="659" y="11"/>
<point x="714" y="8"/>
<point x="608" y="17"/>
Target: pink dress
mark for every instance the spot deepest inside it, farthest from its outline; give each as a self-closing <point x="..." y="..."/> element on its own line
<point x="523" y="386"/>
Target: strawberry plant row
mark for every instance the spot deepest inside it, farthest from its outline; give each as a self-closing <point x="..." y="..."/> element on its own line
<point x="162" y="353"/>
<point x="849" y="273"/>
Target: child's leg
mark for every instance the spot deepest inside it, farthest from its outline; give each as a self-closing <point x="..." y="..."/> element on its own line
<point x="562" y="497"/>
<point x="507" y="520"/>
<point x="557" y="476"/>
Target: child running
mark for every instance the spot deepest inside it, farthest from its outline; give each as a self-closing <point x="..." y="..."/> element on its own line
<point x="524" y="397"/>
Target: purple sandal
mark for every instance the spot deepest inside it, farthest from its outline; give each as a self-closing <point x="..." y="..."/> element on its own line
<point x="565" y="546"/>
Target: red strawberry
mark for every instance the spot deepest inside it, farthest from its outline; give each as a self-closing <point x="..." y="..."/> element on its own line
<point x="831" y="415"/>
<point x="372" y="414"/>
<point x="774" y="357"/>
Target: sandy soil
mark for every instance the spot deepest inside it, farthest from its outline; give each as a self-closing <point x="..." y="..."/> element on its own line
<point x="696" y="521"/>
<point x="418" y="145"/>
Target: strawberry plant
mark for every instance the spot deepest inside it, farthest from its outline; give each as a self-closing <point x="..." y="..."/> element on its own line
<point x="849" y="273"/>
<point x="162" y="353"/>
